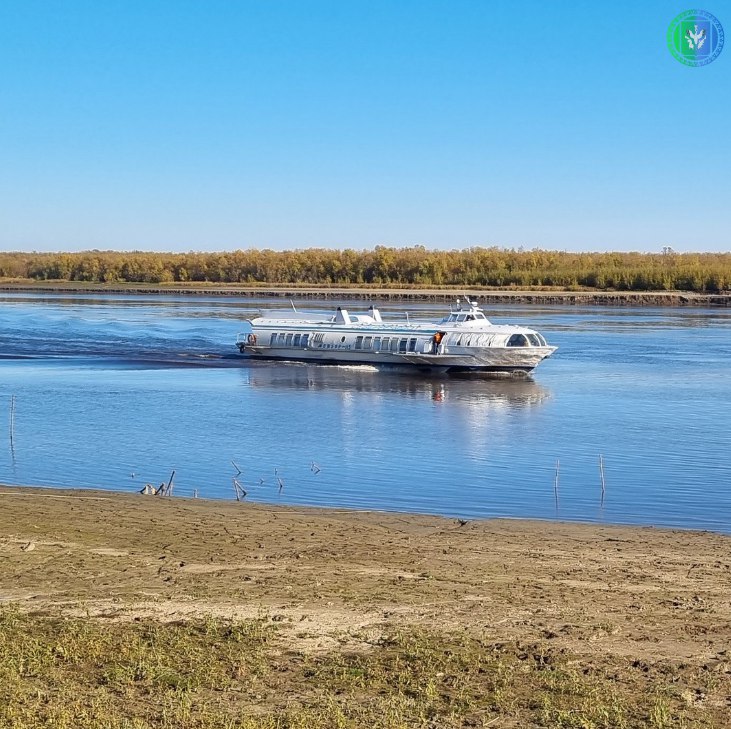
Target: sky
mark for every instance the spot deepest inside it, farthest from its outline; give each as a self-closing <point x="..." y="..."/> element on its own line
<point x="173" y="125"/>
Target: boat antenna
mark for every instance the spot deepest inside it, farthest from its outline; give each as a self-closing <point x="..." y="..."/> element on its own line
<point x="294" y="308"/>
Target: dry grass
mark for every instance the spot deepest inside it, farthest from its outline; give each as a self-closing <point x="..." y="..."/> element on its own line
<point x="85" y="673"/>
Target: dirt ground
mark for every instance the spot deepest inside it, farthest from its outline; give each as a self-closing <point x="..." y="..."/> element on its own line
<point x="328" y="576"/>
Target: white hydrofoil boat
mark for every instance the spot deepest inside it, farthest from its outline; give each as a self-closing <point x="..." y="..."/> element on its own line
<point x="465" y="340"/>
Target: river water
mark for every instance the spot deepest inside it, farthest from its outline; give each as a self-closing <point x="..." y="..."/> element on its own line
<point x="113" y="392"/>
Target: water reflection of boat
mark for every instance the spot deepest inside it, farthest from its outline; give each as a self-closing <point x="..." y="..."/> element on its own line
<point x="473" y="391"/>
<point x="464" y="340"/>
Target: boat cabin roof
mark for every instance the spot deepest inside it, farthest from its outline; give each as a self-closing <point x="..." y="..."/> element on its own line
<point x="459" y="316"/>
<point x="467" y="314"/>
<point x="462" y="314"/>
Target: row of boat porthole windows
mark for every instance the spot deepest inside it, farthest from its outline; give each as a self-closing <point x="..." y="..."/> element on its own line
<point x="377" y="344"/>
<point x="289" y="340"/>
<point x="386" y="344"/>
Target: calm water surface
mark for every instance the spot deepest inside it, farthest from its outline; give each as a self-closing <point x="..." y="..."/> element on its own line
<point x="116" y="391"/>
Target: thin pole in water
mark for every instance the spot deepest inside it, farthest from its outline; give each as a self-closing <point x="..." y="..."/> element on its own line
<point x="555" y="484"/>
<point x="12" y="419"/>
<point x="601" y="473"/>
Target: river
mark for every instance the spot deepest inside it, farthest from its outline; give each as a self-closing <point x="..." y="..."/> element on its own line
<point x="114" y="391"/>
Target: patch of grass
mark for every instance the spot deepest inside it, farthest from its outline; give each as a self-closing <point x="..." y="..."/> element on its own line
<point x="91" y="674"/>
<point x="58" y="672"/>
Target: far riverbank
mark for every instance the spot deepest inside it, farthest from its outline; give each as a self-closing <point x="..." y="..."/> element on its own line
<point x="364" y="293"/>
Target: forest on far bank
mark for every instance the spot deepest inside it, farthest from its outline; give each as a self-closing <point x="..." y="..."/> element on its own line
<point x="386" y="266"/>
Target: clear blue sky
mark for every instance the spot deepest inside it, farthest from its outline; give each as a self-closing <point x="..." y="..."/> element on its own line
<point x="221" y="124"/>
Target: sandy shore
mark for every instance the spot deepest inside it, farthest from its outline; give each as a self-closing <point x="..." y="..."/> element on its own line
<point x="638" y="592"/>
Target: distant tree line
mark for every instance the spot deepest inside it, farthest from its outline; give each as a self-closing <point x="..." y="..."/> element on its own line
<point x="384" y="266"/>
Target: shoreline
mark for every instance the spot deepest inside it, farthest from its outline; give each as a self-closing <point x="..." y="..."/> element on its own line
<point x="103" y="494"/>
<point x="486" y="296"/>
<point x="571" y="611"/>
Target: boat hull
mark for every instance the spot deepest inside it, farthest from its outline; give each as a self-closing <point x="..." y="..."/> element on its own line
<point x="498" y="360"/>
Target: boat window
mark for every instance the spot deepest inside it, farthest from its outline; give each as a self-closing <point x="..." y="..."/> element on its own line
<point x="385" y="342"/>
<point x="402" y="345"/>
<point x="273" y="340"/>
<point x="377" y="344"/>
<point x="534" y="340"/>
<point x="280" y="340"/>
<point x="297" y="340"/>
<point x="359" y="342"/>
<point x="305" y="337"/>
<point x="394" y="344"/>
<point x="460" y="317"/>
<point x="479" y="315"/>
<point x="412" y="345"/>
<point x="517" y="340"/>
<point x="367" y="342"/>
<point x="469" y="317"/>
<point x="289" y="340"/>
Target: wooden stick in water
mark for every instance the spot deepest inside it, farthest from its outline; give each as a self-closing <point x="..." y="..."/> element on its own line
<point x="169" y="488"/>
<point x="239" y="490"/>
<point x="555" y="484"/>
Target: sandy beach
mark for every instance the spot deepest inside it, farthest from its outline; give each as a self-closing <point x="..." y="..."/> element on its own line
<point x="651" y="607"/>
